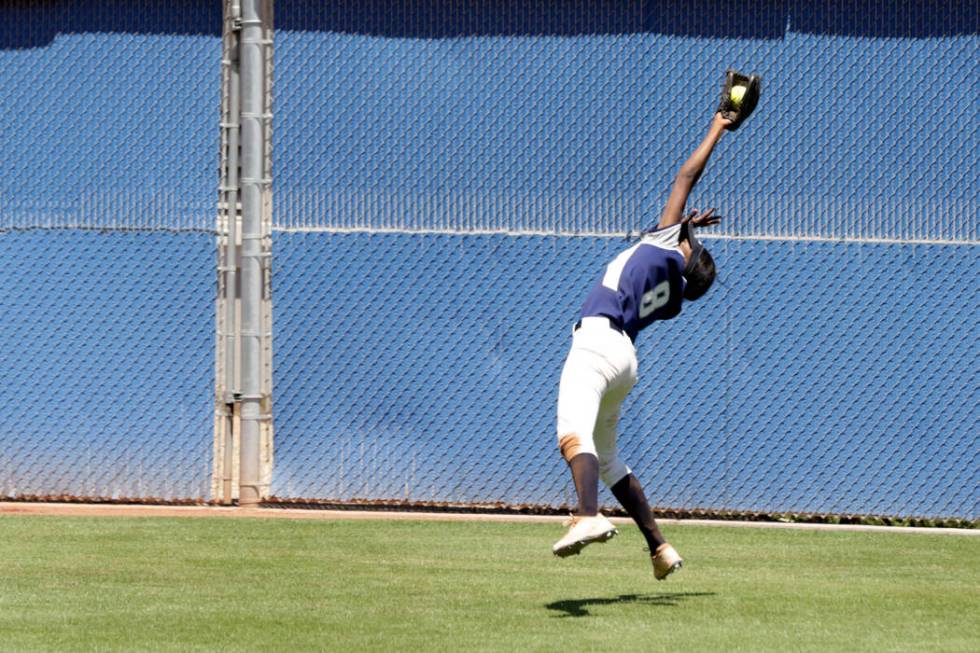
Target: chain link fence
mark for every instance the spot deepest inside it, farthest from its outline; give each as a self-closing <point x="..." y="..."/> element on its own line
<point x="447" y="179"/>
<point x="451" y="178"/>
<point x="107" y="180"/>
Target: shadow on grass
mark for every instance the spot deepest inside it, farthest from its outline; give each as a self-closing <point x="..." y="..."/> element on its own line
<point x="579" y="607"/>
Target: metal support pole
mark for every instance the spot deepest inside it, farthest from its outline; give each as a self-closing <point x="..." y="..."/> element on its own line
<point x="231" y="258"/>
<point x="252" y="145"/>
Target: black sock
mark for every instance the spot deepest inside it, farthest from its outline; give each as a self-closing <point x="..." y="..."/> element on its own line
<point x="630" y="495"/>
<point x="585" y="473"/>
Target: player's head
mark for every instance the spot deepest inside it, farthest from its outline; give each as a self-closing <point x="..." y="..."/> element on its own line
<point x="699" y="269"/>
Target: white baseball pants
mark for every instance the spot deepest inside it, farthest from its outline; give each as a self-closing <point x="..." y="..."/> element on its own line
<point x="598" y="374"/>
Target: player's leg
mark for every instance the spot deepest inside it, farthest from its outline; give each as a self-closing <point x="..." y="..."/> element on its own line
<point x="630" y="495"/>
<point x="584" y="380"/>
<point x="617" y="369"/>
<point x="618" y="477"/>
<point x="585" y="475"/>
<point x="611" y="467"/>
<point x="580" y="391"/>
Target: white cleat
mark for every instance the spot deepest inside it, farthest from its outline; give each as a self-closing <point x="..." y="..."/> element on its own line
<point x="666" y="561"/>
<point x="582" y="532"/>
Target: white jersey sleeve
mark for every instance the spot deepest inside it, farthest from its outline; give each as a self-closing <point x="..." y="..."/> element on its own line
<point x="668" y="237"/>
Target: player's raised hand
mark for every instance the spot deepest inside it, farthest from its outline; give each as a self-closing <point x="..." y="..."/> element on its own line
<point x="702" y="220"/>
<point x="721" y="120"/>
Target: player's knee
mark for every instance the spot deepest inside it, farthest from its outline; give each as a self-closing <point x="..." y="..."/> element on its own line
<point x="571" y="445"/>
<point x="612" y="470"/>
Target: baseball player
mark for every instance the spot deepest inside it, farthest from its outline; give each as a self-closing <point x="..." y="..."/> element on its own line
<point x="645" y="283"/>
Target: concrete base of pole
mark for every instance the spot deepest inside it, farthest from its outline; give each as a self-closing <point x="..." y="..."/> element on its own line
<point x="249" y="496"/>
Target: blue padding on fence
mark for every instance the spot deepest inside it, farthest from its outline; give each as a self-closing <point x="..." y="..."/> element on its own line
<point x="818" y="378"/>
<point x="110" y="113"/>
<point x="574" y="116"/>
<point x="106" y="364"/>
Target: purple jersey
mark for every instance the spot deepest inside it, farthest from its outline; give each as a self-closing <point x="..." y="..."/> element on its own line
<point x="643" y="284"/>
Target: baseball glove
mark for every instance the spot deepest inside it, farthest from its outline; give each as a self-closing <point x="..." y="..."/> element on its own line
<point x="739" y="105"/>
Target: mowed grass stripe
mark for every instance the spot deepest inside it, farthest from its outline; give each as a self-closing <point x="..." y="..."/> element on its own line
<point x="160" y="584"/>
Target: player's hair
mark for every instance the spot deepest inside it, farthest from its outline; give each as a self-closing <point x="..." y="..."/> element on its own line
<point x="700" y="274"/>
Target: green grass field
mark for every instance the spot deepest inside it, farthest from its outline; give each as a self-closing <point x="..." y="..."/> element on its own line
<point x="156" y="584"/>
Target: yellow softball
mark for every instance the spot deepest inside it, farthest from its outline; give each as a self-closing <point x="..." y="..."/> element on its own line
<point x="736" y="95"/>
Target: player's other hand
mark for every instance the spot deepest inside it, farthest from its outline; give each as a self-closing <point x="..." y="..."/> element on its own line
<point x="702" y="220"/>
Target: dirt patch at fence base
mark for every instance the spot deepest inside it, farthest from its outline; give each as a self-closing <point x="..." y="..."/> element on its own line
<point x="143" y="510"/>
<point x="13" y="508"/>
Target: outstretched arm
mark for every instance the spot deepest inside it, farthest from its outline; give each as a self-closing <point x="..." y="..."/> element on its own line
<point x="690" y="172"/>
